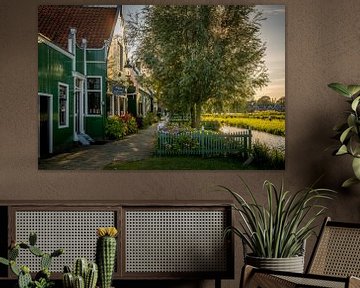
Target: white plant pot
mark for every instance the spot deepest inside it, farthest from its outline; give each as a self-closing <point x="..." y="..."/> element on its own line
<point x="291" y="264"/>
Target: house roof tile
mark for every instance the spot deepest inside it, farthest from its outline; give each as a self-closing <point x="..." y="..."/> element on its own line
<point x="95" y="24"/>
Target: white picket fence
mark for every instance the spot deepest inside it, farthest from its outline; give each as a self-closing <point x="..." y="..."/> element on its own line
<point x="203" y="143"/>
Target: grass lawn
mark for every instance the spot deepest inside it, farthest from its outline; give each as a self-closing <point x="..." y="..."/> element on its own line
<point x="181" y="163"/>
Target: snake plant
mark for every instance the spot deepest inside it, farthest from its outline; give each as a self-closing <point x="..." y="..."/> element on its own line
<point x="279" y="228"/>
<point x="349" y="132"/>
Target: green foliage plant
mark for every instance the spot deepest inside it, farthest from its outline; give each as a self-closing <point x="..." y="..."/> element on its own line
<point x="213" y="125"/>
<point x="42" y="278"/>
<point x="279" y="228"/>
<point x="115" y="129"/>
<point x="130" y="122"/>
<point x="349" y="132"/>
<point x="183" y="142"/>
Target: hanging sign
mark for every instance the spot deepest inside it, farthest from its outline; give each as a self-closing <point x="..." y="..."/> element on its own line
<point x="118" y="90"/>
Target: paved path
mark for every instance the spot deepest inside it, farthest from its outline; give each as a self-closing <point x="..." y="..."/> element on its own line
<point x="95" y="157"/>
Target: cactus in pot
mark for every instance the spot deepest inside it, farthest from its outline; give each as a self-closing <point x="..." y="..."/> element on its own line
<point x="106" y="254"/>
<point x="42" y="278"/>
<point x="85" y="275"/>
<point x="91" y="276"/>
<point x="80" y="268"/>
<point x="79" y="282"/>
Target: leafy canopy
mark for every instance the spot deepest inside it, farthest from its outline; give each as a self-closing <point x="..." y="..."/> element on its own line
<point x="199" y="54"/>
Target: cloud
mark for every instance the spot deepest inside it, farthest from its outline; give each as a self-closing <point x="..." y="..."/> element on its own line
<point x="271" y="10"/>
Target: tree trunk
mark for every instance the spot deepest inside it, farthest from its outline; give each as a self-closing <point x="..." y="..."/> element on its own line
<point x="193" y="116"/>
<point x="197" y="115"/>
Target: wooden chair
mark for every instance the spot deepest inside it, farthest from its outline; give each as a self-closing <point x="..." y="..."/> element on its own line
<point x="334" y="263"/>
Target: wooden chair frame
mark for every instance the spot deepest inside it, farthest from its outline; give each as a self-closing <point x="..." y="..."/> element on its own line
<point x="319" y="272"/>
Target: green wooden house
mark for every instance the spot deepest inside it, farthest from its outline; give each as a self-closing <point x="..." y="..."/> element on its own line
<point x="73" y="44"/>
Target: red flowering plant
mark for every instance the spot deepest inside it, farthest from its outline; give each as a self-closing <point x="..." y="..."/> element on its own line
<point x="130" y="123"/>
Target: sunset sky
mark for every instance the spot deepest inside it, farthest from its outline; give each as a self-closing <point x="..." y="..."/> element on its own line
<point x="273" y="34"/>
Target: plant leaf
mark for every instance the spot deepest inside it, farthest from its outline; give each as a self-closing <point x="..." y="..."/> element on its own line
<point x="354" y="145"/>
<point x="4" y="261"/>
<point x="351" y="120"/>
<point x="340" y="88"/>
<point x="345" y="134"/>
<point x="342" y="150"/>
<point x="349" y="182"/>
<point x="356" y="167"/>
<point x="355" y="103"/>
<point x="353" y="89"/>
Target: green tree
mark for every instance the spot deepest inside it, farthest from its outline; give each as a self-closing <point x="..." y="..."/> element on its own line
<point x="264" y="100"/>
<point x="199" y="54"/>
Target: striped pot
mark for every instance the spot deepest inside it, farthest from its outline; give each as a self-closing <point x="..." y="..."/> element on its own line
<point x="291" y="264"/>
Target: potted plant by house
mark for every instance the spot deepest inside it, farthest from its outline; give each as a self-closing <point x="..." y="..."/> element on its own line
<point x="349" y="132"/>
<point x="274" y="234"/>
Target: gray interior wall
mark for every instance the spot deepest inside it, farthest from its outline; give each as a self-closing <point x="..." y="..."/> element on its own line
<point x="322" y="46"/>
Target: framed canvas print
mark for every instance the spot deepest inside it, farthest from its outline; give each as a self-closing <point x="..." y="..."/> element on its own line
<point x="161" y="87"/>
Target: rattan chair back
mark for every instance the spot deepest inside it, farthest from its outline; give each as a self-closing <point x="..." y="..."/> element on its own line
<point x="337" y="252"/>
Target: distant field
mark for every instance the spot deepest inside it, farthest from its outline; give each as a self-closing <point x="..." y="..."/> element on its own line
<point x="268" y="121"/>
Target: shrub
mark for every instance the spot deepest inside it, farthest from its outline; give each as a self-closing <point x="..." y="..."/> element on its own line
<point x="213" y="125"/>
<point x="132" y="126"/>
<point x="182" y="142"/>
<point x="149" y="119"/>
<point x="115" y="128"/>
<point x="267" y="158"/>
<point x="130" y="122"/>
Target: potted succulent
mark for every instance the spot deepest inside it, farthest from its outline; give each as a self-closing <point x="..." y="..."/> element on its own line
<point x="349" y="132"/>
<point x="275" y="234"/>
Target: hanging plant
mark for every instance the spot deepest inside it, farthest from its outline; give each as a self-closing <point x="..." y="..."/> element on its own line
<point x="349" y="132"/>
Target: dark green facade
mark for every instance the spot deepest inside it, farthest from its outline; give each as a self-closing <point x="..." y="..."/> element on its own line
<point x="56" y="67"/>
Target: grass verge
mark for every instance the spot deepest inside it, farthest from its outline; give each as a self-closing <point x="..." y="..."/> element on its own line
<point x="181" y="163"/>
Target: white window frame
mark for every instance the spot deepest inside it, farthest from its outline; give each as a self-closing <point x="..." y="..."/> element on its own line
<point x="87" y="96"/>
<point x="81" y="112"/>
<point x="66" y="125"/>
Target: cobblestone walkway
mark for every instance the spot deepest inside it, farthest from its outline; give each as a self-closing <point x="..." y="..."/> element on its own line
<point x="95" y="157"/>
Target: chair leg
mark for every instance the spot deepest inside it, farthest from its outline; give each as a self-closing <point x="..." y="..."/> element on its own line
<point x="250" y="278"/>
<point x="217" y="283"/>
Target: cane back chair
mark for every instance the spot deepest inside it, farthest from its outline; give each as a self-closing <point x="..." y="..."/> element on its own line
<point x="334" y="263"/>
